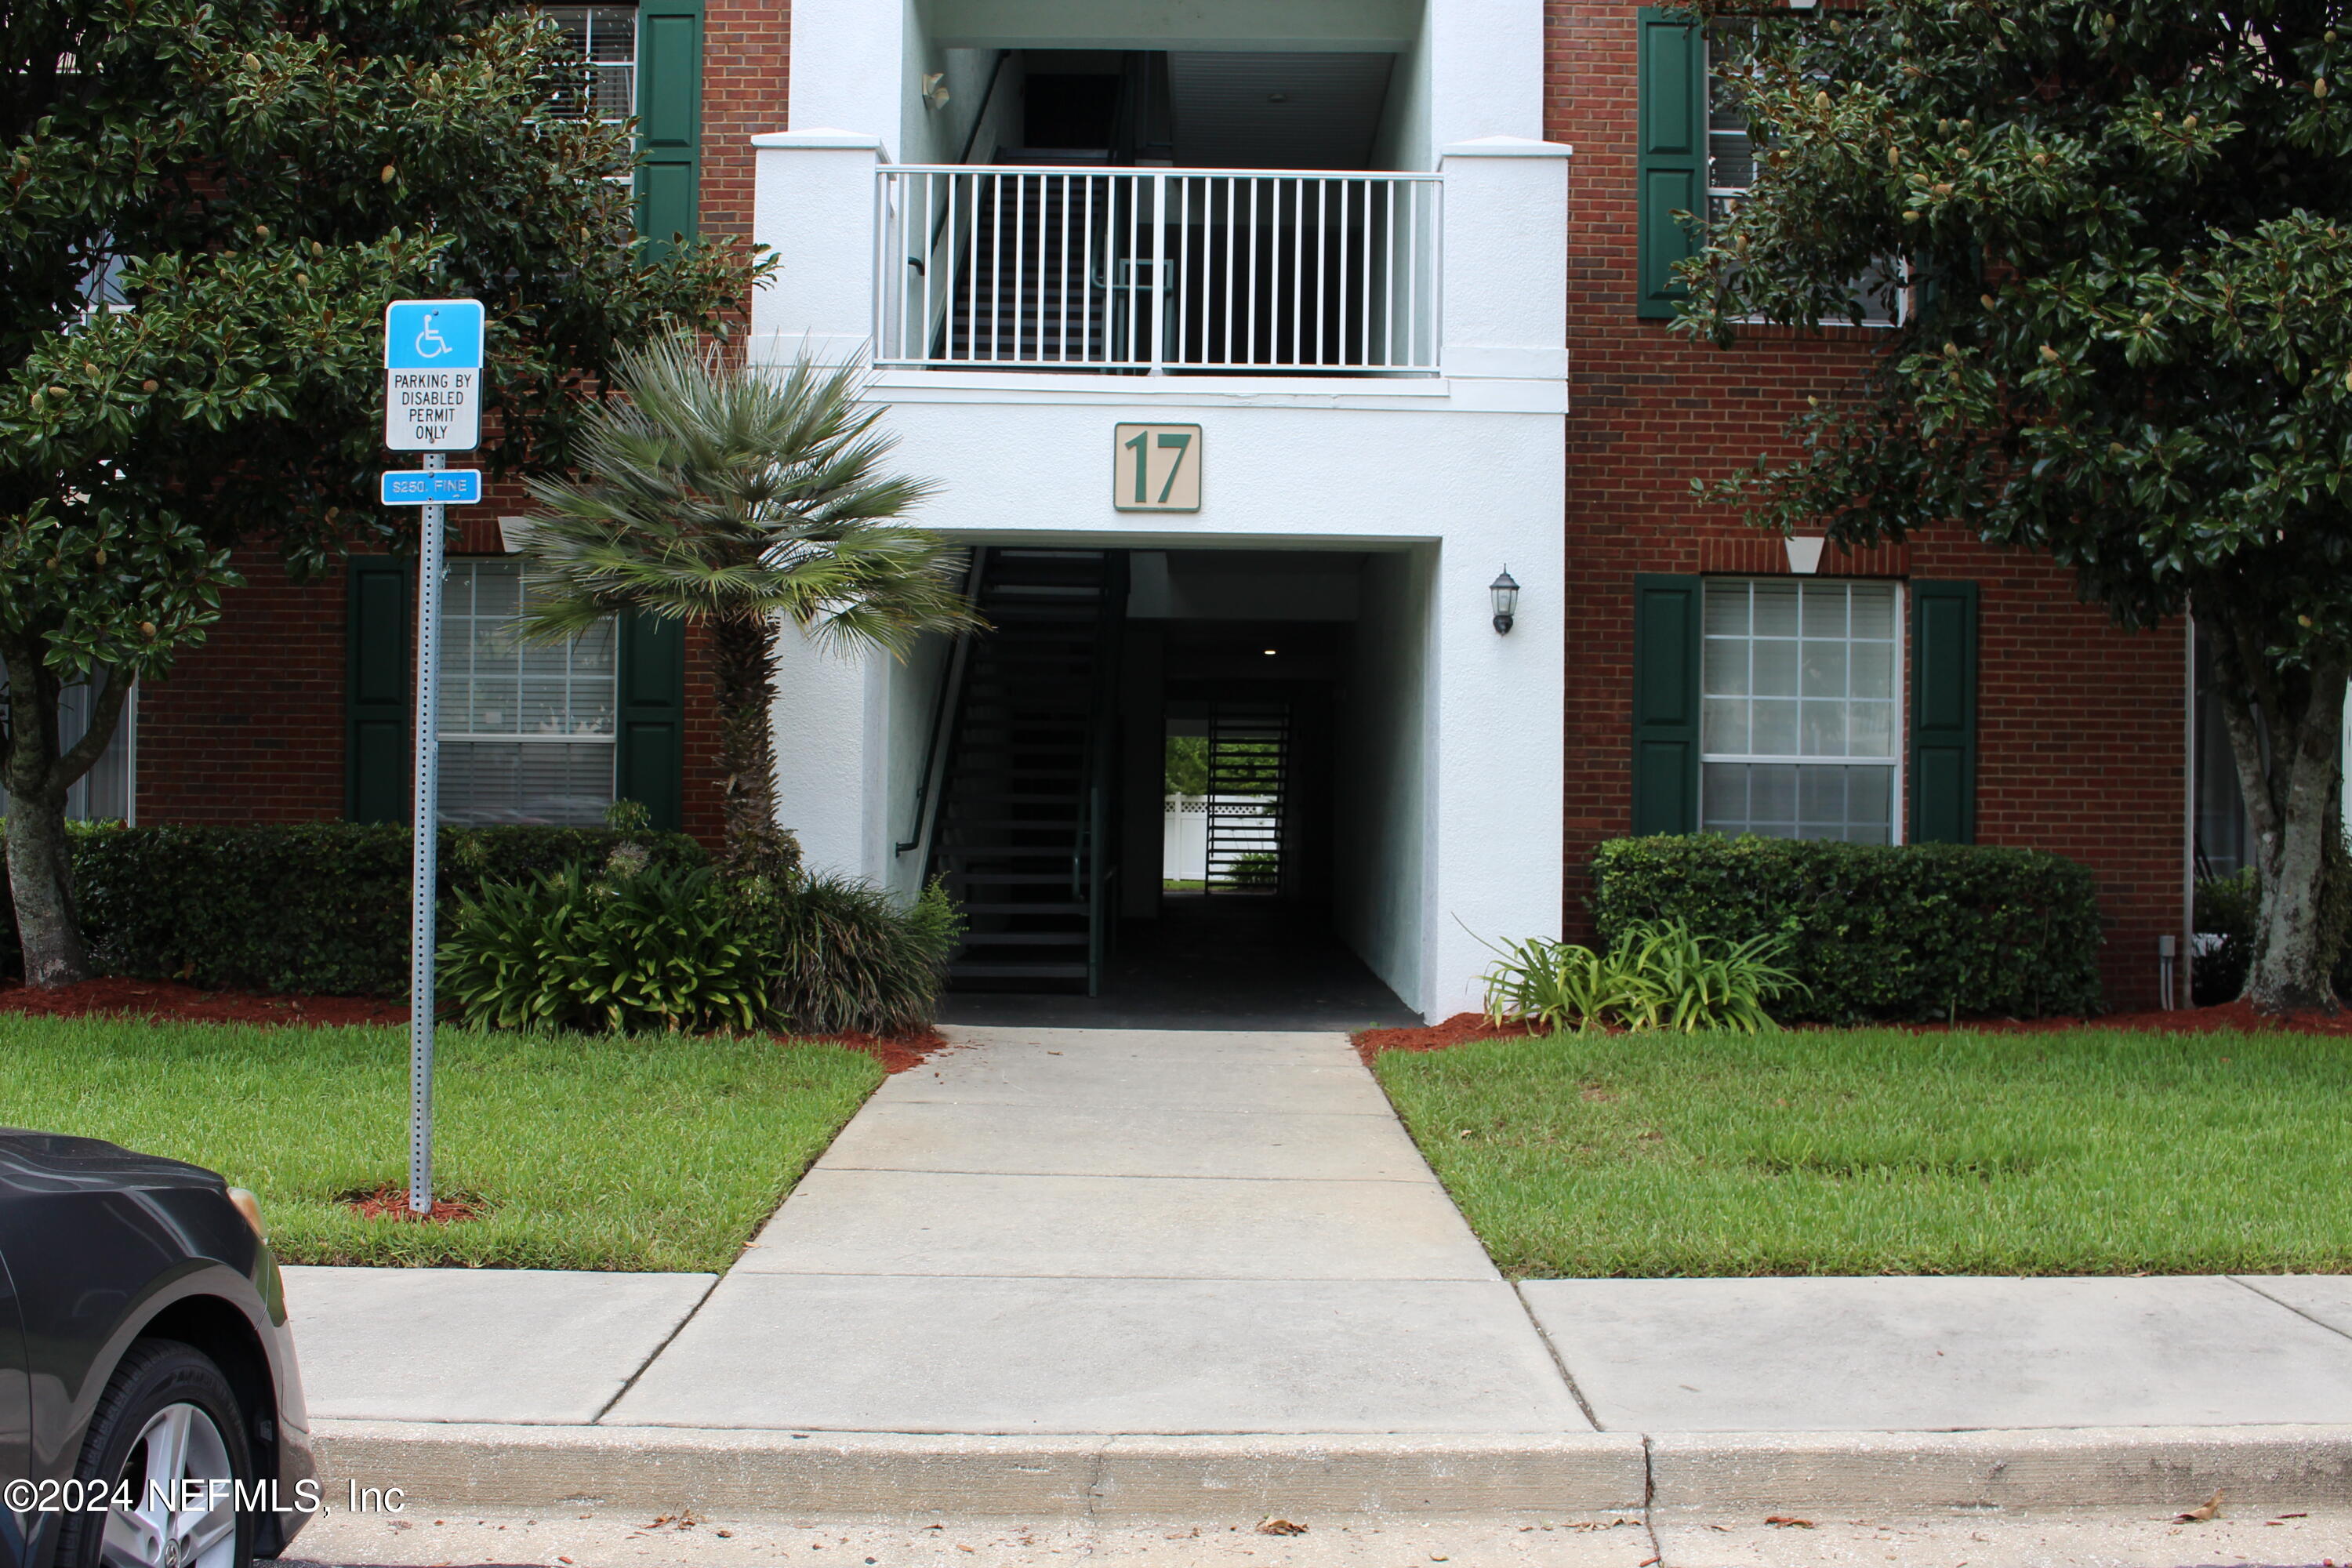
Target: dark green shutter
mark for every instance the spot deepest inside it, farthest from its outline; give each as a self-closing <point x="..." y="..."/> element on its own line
<point x="1665" y="704"/>
<point x="651" y="766"/>
<point x="669" y="117"/>
<point x="1670" y="159"/>
<point x="1943" y="714"/>
<point x="379" y="764"/>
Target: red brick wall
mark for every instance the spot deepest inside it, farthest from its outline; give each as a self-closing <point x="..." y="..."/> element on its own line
<point x="2079" y="726"/>
<point x="746" y="46"/>
<point x="249" y="727"/>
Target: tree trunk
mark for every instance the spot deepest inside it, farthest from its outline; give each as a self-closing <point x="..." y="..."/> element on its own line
<point x="2286" y="737"/>
<point x="40" y="881"/>
<point x="743" y="655"/>
<point x="37" y="776"/>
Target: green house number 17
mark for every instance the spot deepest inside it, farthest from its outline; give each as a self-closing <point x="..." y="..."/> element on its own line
<point x="1181" y="442"/>
<point x="1159" y="469"/>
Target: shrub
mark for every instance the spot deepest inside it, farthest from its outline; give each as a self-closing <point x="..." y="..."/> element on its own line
<point x="851" y="956"/>
<point x="1915" y="931"/>
<point x="640" y="947"/>
<point x="1257" y="870"/>
<point x="320" y="907"/>
<point x="2225" y="912"/>
<point x="2226" y="908"/>
<point x="1657" y="976"/>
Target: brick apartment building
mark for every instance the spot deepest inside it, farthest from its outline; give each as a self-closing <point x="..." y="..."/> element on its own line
<point x="1250" y="342"/>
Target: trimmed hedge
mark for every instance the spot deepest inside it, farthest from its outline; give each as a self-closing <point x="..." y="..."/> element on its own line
<point x="1907" y="933"/>
<point x="318" y="907"/>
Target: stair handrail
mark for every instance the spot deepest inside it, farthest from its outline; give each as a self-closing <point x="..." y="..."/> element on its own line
<point x="945" y="711"/>
<point x="1095" y="831"/>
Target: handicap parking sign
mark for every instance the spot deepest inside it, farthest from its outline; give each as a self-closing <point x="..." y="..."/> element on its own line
<point x="433" y="375"/>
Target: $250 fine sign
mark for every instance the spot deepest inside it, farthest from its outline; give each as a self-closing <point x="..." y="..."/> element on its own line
<point x="433" y="375"/>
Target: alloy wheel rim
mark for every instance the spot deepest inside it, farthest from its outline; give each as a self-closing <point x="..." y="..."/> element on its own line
<point x="180" y="1506"/>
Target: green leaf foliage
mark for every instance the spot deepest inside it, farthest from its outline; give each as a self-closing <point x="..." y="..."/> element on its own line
<point x="1657" y="974"/>
<point x="311" y="907"/>
<point x="204" y="205"/>
<point x="723" y="493"/>
<point x="638" y="947"/>
<point x="853" y="957"/>
<point x="2129" y="225"/>
<point x="1909" y="931"/>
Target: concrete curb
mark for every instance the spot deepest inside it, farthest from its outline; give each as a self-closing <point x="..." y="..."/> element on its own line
<point x="2042" y="1470"/>
<point x="1192" y="1478"/>
<point x="668" y="1468"/>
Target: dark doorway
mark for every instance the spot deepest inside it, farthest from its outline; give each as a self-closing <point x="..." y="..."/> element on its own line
<point x="1217" y="730"/>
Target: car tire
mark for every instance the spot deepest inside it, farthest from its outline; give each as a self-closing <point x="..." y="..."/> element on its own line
<point x="167" y="1406"/>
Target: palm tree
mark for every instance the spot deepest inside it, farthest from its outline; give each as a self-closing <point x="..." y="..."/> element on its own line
<point x="736" y="498"/>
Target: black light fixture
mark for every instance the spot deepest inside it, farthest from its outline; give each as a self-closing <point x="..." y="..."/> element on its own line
<point x="1505" y="590"/>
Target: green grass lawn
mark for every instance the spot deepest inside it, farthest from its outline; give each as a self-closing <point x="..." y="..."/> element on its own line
<point x="1867" y="1152"/>
<point x="588" y="1152"/>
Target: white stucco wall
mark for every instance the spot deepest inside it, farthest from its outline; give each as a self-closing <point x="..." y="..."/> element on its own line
<point x="1449" y="478"/>
<point x="1379" y="880"/>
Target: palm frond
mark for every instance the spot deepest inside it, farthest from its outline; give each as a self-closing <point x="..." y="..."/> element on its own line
<point x="716" y="491"/>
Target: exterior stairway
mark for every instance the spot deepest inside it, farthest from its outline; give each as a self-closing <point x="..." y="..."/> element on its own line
<point x="1022" y="288"/>
<point x="1023" y="824"/>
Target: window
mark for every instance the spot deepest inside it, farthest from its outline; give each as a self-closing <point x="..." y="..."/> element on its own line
<point x="604" y="39"/>
<point x="1731" y="154"/>
<point x="1883" y="293"/>
<point x="1695" y="154"/>
<point x="1798" y="719"/>
<point x="107" y="792"/>
<point x="527" y="729"/>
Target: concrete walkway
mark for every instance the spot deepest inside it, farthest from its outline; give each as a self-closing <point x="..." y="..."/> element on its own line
<point x="1079" y="1270"/>
<point x="1082" y="1231"/>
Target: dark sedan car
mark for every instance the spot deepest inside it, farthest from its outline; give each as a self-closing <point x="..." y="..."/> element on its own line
<point x="150" y="1409"/>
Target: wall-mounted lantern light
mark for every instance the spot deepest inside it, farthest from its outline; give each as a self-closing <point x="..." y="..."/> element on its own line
<point x="1505" y="590"/>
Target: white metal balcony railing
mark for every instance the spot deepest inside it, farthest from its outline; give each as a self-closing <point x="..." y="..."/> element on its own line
<point x="1157" y="270"/>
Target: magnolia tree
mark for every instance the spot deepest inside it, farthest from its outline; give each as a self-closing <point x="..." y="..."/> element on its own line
<point x="2126" y="234"/>
<point x="204" y="205"/>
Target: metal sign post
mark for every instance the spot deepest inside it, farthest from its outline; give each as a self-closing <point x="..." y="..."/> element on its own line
<point x="432" y="403"/>
<point x="423" y="847"/>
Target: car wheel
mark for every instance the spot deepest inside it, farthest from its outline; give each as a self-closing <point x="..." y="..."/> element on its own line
<point x="168" y="1440"/>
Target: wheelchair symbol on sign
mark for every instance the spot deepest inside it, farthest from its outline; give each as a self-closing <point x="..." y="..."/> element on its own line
<point x="430" y="344"/>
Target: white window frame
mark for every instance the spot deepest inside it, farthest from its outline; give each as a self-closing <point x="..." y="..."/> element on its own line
<point x="1899" y="764"/>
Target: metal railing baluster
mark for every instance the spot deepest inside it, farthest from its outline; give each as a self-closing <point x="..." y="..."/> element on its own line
<point x="1360" y="255"/>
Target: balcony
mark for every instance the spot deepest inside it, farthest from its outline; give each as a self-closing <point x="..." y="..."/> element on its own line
<point x="1158" y="271"/>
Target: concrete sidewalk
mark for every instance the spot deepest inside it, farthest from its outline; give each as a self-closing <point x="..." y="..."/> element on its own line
<point x="1082" y="1271"/>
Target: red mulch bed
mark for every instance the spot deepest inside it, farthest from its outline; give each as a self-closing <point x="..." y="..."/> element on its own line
<point x="1459" y="1030"/>
<point x="170" y="1000"/>
<point x="1463" y="1028"/>
<point x="388" y="1201"/>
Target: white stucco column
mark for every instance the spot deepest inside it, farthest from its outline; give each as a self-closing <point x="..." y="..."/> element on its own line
<point x="1507" y="258"/>
<point x="1485" y="69"/>
<point x="814" y="205"/>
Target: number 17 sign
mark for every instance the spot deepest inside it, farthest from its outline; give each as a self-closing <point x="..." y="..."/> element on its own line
<point x="1155" y="467"/>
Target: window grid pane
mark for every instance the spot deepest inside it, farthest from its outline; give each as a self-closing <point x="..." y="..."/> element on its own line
<point x="1798" y="710"/>
<point x="603" y="39"/>
<point x="526" y="730"/>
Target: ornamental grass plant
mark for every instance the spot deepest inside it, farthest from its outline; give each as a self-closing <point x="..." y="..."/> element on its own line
<point x="1657" y="975"/>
